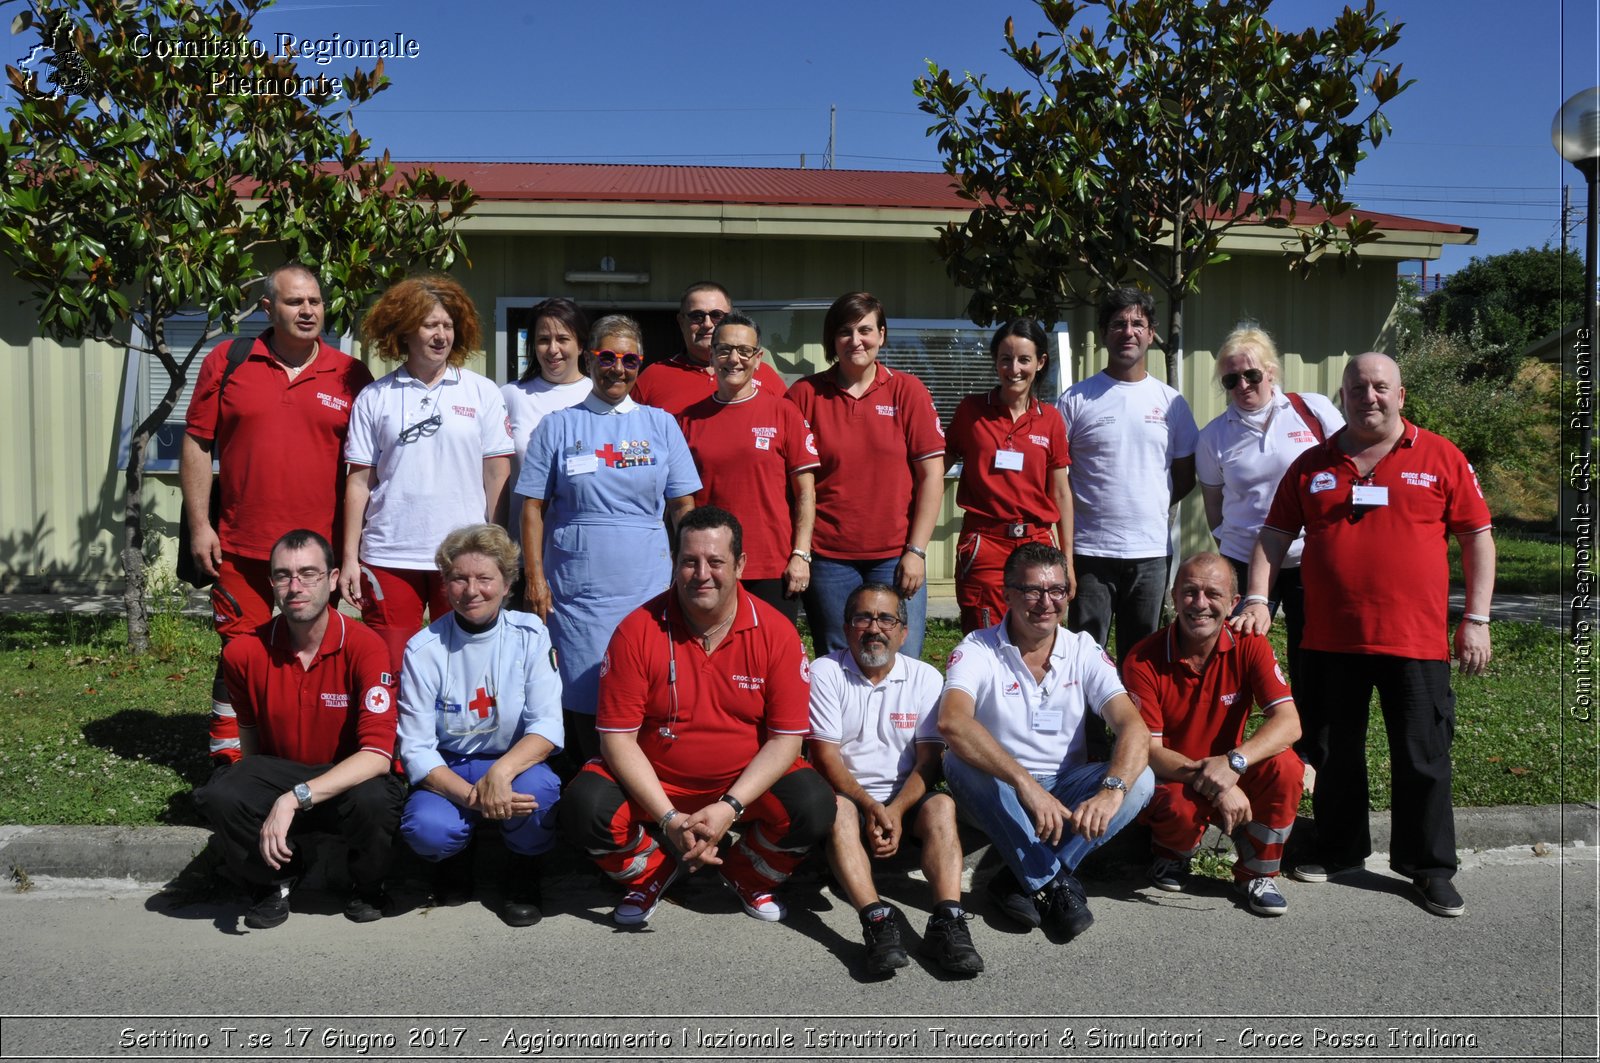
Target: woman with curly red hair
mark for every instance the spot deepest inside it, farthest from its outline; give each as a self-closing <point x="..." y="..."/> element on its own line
<point x="429" y="451"/>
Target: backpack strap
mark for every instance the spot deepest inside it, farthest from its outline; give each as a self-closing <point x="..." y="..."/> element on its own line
<point x="1311" y="420"/>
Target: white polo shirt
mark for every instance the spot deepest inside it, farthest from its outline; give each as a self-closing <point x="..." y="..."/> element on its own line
<point x="1246" y="454"/>
<point x="431" y="485"/>
<point x="875" y="727"/>
<point x="1039" y="723"/>
<point x="527" y="403"/>
<point x="1123" y="439"/>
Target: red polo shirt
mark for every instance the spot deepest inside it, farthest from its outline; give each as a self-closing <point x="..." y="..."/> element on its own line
<point x="279" y="443"/>
<point x="1377" y="579"/>
<point x="746" y="452"/>
<point x="343" y="703"/>
<point x="980" y="430"/>
<point x="721" y="706"/>
<point x="680" y="382"/>
<point x="1202" y="714"/>
<point x="868" y="446"/>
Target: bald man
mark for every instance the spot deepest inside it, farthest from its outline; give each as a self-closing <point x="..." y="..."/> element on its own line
<point x="1376" y="501"/>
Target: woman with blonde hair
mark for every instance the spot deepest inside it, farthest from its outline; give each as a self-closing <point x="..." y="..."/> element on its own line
<point x="1244" y="452"/>
<point x="480" y="714"/>
<point x="429" y="450"/>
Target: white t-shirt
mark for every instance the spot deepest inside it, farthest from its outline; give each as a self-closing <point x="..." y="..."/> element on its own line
<point x="1246" y="455"/>
<point x="1123" y="439"/>
<point x="432" y="484"/>
<point x="1039" y="724"/>
<point x="527" y="403"/>
<point x="875" y="727"/>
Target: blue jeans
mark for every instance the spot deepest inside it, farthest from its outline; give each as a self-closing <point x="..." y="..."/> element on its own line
<point x="832" y="580"/>
<point x="436" y="827"/>
<point x="993" y="807"/>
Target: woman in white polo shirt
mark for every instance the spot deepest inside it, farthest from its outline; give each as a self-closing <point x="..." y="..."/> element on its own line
<point x="429" y="449"/>
<point x="1243" y="453"/>
<point x="557" y="377"/>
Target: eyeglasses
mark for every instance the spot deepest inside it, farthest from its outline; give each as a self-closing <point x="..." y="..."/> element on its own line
<point x="421" y="430"/>
<point x="1231" y="380"/>
<point x="609" y="359"/>
<point x="728" y="350"/>
<point x="307" y="577"/>
<point x="699" y="316"/>
<point x="1032" y="595"/>
<point x="862" y="621"/>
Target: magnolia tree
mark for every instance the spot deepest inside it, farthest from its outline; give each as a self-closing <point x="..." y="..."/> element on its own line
<point x="1144" y="132"/>
<point x="137" y="187"/>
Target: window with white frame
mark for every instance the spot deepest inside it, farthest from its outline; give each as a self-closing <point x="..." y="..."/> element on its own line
<point x="951" y="357"/>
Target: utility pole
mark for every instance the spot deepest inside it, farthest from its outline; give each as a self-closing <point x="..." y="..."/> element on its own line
<point x="827" y="160"/>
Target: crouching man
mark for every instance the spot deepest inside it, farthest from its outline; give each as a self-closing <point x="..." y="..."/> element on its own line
<point x="316" y="709"/>
<point x="875" y="738"/>
<point x="1195" y="682"/>
<point x="1017" y="698"/>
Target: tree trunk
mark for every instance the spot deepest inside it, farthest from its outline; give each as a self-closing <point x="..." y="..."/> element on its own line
<point x="133" y="596"/>
<point x="1174" y="340"/>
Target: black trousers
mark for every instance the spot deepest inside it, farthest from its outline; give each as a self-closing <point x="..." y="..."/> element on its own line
<point x="1290" y="593"/>
<point x="237" y="799"/>
<point x="1419" y="715"/>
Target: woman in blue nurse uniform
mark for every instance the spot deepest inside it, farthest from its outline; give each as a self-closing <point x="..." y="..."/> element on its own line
<point x="597" y="478"/>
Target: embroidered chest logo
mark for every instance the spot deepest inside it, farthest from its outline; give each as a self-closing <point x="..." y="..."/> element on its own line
<point x="633" y="452"/>
<point x="1419" y="479"/>
<point x="333" y="402"/>
<point x="335" y="701"/>
<point x="1229" y="699"/>
<point x="1012" y="689"/>
<point x="903" y="721"/>
<point x="482" y="703"/>
<point x="466" y="411"/>
<point x="1039" y="441"/>
<point x="885" y="410"/>
<point x="1157" y="415"/>
<point x="763" y="443"/>
<point x="1300" y="435"/>
<point x="1323" y="481"/>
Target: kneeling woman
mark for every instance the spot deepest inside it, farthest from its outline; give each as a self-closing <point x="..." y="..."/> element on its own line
<point x="480" y="713"/>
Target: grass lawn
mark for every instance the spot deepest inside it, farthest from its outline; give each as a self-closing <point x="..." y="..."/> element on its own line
<point x="1523" y="564"/>
<point x="94" y="736"/>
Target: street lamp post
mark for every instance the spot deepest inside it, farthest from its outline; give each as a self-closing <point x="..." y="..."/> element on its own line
<point x="1576" y="135"/>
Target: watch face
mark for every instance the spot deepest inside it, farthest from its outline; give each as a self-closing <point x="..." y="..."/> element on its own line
<point x="1237" y="762"/>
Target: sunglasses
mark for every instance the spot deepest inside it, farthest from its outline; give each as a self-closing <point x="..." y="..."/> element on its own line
<point x="1231" y="380"/>
<point x="609" y="359"/>
<point x="699" y="316"/>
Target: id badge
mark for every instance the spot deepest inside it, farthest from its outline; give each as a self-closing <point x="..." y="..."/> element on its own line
<point x="579" y="464"/>
<point x="1047" y="721"/>
<point x="1008" y="460"/>
<point x="1369" y="495"/>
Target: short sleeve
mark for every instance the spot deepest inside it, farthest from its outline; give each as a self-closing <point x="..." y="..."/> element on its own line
<point x="958" y="437"/>
<point x="1181" y="428"/>
<point x="683" y="478"/>
<point x="827" y="702"/>
<point x="369" y="673"/>
<point x="537" y="476"/>
<point x="799" y="445"/>
<point x="494" y="424"/>
<point x="1060" y="455"/>
<point x="624" y="683"/>
<point x="1266" y="676"/>
<point x="1139" y="679"/>
<point x="1465" y="508"/>
<point x="926" y="687"/>
<point x="1286" y="514"/>
<point x="361" y="445"/>
<point x="924" y="437"/>
<point x="1099" y="675"/>
<point x="788" y="682"/>
<point x="967" y="668"/>
<point x="201" y="419"/>
<point x="1207" y="455"/>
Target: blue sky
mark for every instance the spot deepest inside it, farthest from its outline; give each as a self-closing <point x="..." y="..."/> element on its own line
<point x="752" y="83"/>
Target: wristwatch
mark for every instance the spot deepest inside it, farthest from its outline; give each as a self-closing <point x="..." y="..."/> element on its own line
<point x="1237" y="762"/>
<point x="1111" y="782"/>
<point x="302" y="794"/>
<point x="733" y="803"/>
<point x="802" y="555"/>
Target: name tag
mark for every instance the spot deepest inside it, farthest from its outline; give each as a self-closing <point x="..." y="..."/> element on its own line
<point x="1369" y="495"/>
<point x="579" y="464"/>
<point x="1008" y="460"/>
<point x="1047" y="721"/>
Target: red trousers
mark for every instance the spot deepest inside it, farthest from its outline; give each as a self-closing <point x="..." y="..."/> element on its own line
<point x="981" y="555"/>
<point x="241" y="601"/>
<point x="392" y="601"/>
<point x="1177" y="816"/>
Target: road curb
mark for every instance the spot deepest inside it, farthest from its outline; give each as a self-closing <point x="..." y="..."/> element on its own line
<point x="158" y="855"/>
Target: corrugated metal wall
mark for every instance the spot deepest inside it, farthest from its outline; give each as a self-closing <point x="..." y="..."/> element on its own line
<point x="61" y="490"/>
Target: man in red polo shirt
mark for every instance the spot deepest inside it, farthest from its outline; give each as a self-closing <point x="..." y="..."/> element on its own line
<point x="1195" y="681"/>
<point x="276" y="430"/>
<point x="704" y="703"/>
<point x="1377" y="501"/>
<point x="688" y="377"/>
<point x="316" y="712"/>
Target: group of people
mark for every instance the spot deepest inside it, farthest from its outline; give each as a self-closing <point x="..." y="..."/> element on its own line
<point x="652" y="693"/>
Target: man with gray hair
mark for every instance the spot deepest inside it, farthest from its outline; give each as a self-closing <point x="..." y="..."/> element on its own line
<point x="1377" y="500"/>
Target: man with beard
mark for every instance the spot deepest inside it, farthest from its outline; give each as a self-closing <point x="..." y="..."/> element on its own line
<point x="1194" y="682"/>
<point x="875" y="738"/>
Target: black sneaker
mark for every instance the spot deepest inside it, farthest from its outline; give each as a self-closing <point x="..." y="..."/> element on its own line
<point x="269" y="907"/>
<point x="1325" y="872"/>
<point x="1440" y="896"/>
<point x="452" y="879"/>
<point x="523" y="895"/>
<point x="948" y="941"/>
<point x="366" y="906"/>
<point x="1012" y="900"/>
<point x="1066" y="910"/>
<point x="881" y="931"/>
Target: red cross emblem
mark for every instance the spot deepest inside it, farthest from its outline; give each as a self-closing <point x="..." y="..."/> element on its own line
<point x="611" y="456"/>
<point x="481" y="703"/>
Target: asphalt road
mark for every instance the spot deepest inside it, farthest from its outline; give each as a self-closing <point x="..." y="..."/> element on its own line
<point x="1355" y="970"/>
